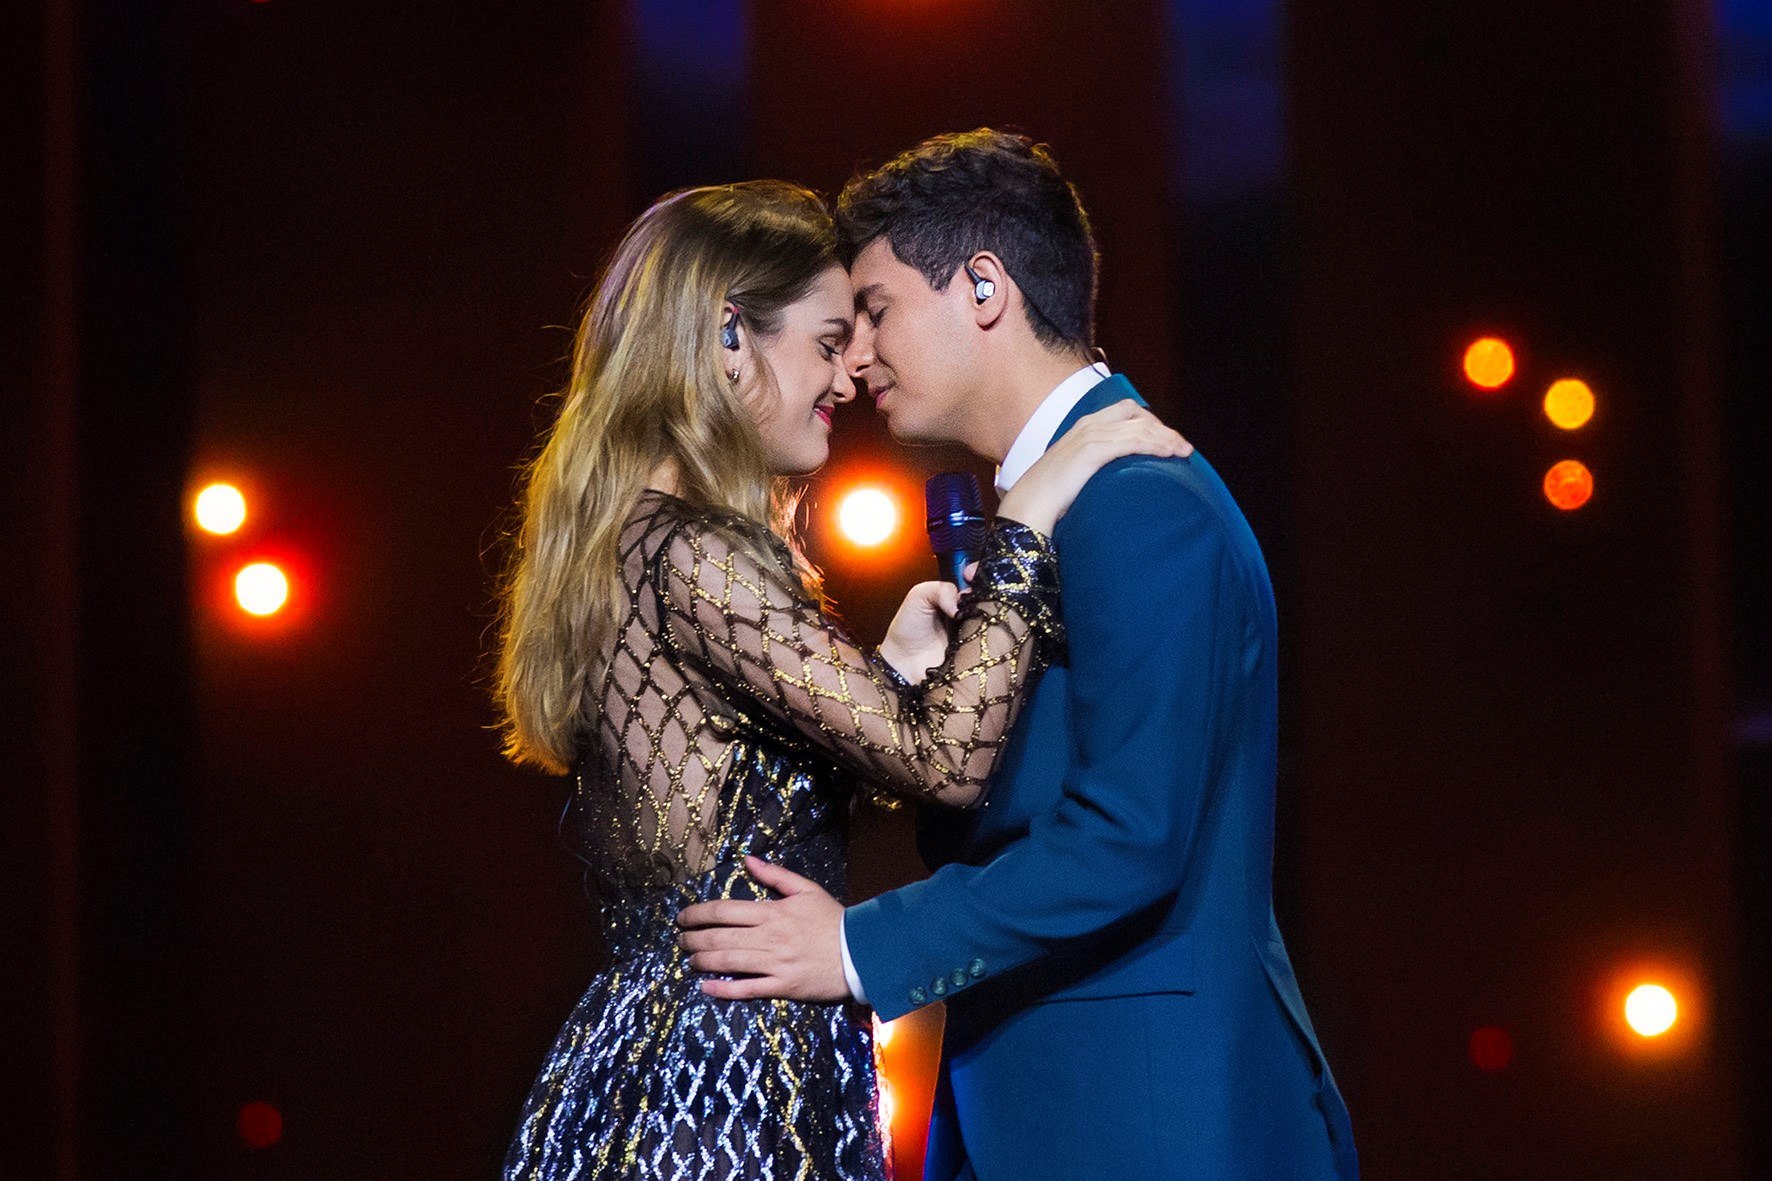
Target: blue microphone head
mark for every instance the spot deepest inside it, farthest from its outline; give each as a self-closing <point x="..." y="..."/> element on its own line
<point x="956" y="512"/>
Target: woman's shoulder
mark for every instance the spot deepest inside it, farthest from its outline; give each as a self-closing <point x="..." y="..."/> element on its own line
<point x="676" y="530"/>
<point x="666" y="513"/>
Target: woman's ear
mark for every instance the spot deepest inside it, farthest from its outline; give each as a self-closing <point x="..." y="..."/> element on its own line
<point x="733" y="342"/>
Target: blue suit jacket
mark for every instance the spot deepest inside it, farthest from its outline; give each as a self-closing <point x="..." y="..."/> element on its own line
<point x="1120" y="1002"/>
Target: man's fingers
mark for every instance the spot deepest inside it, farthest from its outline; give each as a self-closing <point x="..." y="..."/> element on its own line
<point x="731" y="963"/>
<point x="783" y="881"/>
<point x="718" y="939"/>
<point x="726" y="912"/>
<point x="749" y="989"/>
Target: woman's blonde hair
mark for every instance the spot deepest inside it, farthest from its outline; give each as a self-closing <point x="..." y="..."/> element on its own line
<point x="648" y="385"/>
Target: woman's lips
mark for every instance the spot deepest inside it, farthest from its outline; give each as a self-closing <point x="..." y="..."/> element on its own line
<point x="823" y="412"/>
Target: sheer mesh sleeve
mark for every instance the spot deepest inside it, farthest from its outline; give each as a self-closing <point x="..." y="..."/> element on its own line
<point x="750" y="627"/>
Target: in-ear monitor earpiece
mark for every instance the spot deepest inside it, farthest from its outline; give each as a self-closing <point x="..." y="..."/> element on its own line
<point x="982" y="288"/>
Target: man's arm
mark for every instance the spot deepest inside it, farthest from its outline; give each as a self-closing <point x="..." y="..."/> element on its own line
<point x="1152" y="605"/>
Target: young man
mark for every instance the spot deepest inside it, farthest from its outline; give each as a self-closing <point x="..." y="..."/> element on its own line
<point x="1120" y="1002"/>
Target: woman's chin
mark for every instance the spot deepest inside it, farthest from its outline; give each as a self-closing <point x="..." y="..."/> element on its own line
<point x="802" y="464"/>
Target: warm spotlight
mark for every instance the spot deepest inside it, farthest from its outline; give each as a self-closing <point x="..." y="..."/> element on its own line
<point x="1569" y="485"/>
<point x="888" y="1107"/>
<point x="261" y="588"/>
<point x="259" y="1124"/>
<point x="1489" y="363"/>
<point x="220" y="508"/>
<point x="1569" y="403"/>
<point x="1650" y="1010"/>
<point x="883" y="1031"/>
<point x="868" y="516"/>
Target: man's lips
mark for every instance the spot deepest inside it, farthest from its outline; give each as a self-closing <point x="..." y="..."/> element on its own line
<point x="881" y="392"/>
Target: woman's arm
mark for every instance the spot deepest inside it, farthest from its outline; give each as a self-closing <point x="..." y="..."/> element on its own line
<point x="749" y="626"/>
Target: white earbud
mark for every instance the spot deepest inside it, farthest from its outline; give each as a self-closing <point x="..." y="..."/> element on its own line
<point x="982" y="289"/>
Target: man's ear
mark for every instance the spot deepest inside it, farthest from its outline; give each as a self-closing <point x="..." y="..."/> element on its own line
<point x="987" y="287"/>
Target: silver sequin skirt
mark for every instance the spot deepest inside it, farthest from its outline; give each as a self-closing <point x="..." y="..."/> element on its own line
<point x="652" y="1079"/>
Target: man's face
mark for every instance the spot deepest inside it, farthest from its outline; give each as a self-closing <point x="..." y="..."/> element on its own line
<point x="912" y="347"/>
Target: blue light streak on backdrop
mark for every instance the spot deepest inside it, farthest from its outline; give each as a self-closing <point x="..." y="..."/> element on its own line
<point x="1227" y="79"/>
<point x="1744" y="64"/>
<point x="689" y="99"/>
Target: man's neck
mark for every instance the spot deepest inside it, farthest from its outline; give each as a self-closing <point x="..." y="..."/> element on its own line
<point x="1015" y="392"/>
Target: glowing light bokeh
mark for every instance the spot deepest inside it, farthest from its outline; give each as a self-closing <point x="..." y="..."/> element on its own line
<point x="1651" y="1010"/>
<point x="867" y="517"/>
<point x="1569" y="403"/>
<point x="1489" y="363"/>
<point x="259" y="1124"/>
<point x="261" y="589"/>
<point x="1569" y="485"/>
<point x="220" y="508"/>
<point x="1491" y="1048"/>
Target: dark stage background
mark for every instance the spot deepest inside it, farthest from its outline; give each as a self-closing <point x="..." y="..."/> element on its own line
<point x="332" y="252"/>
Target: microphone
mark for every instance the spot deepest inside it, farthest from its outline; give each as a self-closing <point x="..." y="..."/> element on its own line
<point x="956" y="522"/>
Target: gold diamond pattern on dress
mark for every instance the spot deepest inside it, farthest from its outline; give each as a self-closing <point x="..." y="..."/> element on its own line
<point x="734" y="717"/>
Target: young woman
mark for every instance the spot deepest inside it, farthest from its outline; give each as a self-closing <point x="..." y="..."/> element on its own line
<point x="664" y="641"/>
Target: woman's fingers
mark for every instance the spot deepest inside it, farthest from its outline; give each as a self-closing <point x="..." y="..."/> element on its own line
<point x="947" y="598"/>
<point x="1132" y="427"/>
<point x="1140" y="437"/>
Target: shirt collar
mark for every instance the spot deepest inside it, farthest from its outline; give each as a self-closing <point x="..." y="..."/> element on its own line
<point x="1031" y="443"/>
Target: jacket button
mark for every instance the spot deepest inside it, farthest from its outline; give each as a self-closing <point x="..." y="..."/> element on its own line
<point x="958" y="979"/>
<point x="939" y="986"/>
<point x="977" y="969"/>
<point x="919" y="997"/>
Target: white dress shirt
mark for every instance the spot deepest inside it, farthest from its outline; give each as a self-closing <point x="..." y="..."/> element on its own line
<point x="1029" y="445"/>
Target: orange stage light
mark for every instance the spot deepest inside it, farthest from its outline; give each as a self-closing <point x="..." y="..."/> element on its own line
<point x="1569" y="403"/>
<point x="868" y="516"/>
<point x="220" y="509"/>
<point x="261" y="588"/>
<point x="1569" y="485"/>
<point x="1653" y="1007"/>
<point x="1489" y="363"/>
<point x="1650" y="1010"/>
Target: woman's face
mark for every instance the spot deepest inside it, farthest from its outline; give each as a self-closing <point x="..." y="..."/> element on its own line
<point x="806" y="357"/>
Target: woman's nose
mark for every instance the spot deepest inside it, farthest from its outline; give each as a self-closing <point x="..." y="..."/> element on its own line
<point x="842" y="386"/>
<point x="860" y="353"/>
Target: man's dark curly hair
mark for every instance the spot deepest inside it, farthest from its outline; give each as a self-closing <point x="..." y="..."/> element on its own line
<point x="954" y="195"/>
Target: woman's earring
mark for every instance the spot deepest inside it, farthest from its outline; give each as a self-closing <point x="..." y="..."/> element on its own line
<point x="732" y="376"/>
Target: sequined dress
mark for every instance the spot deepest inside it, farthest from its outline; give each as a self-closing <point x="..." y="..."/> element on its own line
<point x="736" y="718"/>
